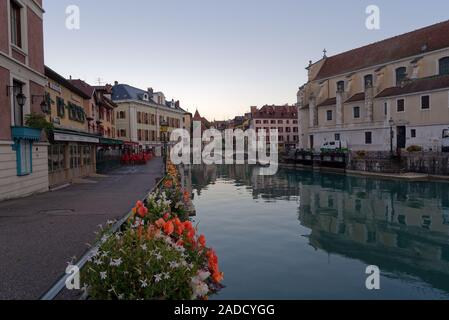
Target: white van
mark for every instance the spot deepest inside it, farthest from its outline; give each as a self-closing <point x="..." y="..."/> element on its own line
<point x="334" y="145"/>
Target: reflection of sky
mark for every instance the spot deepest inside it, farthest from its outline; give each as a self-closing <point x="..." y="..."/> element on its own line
<point x="219" y="56"/>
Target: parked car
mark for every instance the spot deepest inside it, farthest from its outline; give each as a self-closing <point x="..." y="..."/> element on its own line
<point x="334" y="146"/>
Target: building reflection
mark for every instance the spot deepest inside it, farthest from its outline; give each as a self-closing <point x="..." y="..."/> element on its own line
<point x="402" y="227"/>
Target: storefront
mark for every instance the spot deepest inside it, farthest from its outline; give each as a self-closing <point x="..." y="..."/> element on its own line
<point x="109" y="153"/>
<point x="71" y="155"/>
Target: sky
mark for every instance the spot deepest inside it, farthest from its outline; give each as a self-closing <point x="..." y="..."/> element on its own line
<point x="220" y="57"/>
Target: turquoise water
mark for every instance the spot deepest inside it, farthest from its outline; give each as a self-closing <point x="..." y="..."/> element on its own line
<point x="305" y="235"/>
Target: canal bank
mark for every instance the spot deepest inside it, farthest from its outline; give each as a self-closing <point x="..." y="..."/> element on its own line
<point x="40" y="234"/>
<point x="408" y="176"/>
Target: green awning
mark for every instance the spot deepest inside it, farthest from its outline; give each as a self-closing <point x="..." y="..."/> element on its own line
<point x="112" y="142"/>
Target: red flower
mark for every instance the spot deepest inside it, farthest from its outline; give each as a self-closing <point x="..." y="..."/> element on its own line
<point x="142" y="212"/>
<point x="169" y="228"/>
<point x="202" y="241"/>
<point x="139" y="204"/>
<point x="218" y="277"/>
<point x="166" y="216"/>
<point x="160" y="223"/>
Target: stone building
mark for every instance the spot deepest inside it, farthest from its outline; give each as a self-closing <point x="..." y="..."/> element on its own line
<point x="23" y="151"/>
<point x="385" y="96"/>
<point x="140" y="113"/>
<point x="281" y="118"/>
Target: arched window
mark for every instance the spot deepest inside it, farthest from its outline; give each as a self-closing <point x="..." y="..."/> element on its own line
<point x="368" y="79"/>
<point x="401" y="74"/>
<point x="340" y="86"/>
<point x="444" y="66"/>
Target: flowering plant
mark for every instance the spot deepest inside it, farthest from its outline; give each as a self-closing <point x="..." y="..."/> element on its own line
<point x="157" y="256"/>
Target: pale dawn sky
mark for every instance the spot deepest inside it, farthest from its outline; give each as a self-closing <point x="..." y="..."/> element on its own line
<point x="219" y="57"/>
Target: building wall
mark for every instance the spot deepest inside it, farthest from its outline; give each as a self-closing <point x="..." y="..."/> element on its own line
<point x="13" y="186"/>
<point x="26" y="65"/>
<point x="68" y="96"/>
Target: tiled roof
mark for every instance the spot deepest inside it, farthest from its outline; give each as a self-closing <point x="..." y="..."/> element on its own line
<point x="328" y="102"/>
<point x="276" y="112"/>
<point x="83" y="86"/>
<point x="414" y="43"/>
<point x="357" y="97"/>
<point x="51" y="74"/>
<point x="416" y="86"/>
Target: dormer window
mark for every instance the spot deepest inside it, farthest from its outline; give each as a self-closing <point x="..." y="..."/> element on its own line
<point x="340" y="86"/>
<point x="368" y="80"/>
<point x="145" y="97"/>
<point x="444" y="66"/>
<point x="401" y="75"/>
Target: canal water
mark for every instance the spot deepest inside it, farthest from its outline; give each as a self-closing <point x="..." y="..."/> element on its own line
<point x="307" y="235"/>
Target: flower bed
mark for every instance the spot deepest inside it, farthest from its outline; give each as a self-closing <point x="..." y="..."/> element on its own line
<point x="157" y="255"/>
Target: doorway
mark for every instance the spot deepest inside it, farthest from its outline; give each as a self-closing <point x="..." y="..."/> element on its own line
<point x="401" y="137"/>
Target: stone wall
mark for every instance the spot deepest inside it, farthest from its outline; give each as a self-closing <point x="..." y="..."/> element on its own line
<point x="427" y="162"/>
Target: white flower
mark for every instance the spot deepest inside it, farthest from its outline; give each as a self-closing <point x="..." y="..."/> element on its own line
<point x="203" y="275"/>
<point x="98" y="262"/>
<point x="104" y="238"/>
<point x="103" y="275"/>
<point x="199" y="288"/>
<point x="158" y="256"/>
<point x="144" y="247"/>
<point x="158" y="278"/>
<point x="110" y="222"/>
<point x="143" y="283"/>
<point x="116" y="262"/>
<point x="166" y="276"/>
<point x="174" y="265"/>
<point x="121" y="296"/>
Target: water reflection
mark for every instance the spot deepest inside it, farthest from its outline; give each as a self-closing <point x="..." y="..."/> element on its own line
<point x="402" y="227"/>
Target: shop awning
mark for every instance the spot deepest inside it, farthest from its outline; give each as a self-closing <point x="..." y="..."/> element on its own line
<point x="111" y="142"/>
<point x="72" y="136"/>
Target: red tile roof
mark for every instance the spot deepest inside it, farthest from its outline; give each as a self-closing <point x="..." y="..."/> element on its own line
<point x="416" y="86"/>
<point x="414" y="43"/>
<point x="83" y="86"/>
<point x="357" y="97"/>
<point x="276" y="112"/>
<point x="328" y="102"/>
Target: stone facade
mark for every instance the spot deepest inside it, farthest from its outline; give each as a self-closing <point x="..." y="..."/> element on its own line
<point x="23" y="158"/>
<point x="389" y="95"/>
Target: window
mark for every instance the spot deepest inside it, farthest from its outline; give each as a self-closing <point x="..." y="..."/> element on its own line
<point x="356" y="112"/>
<point x="24" y="160"/>
<point x="60" y="107"/>
<point x="413" y="133"/>
<point x="340" y="86"/>
<point x="368" y="137"/>
<point x="18" y="110"/>
<point x="75" y="156"/>
<point x="273" y="121"/>
<point x="386" y="108"/>
<point x="121" y="115"/>
<point x="425" y="102"/>
<point x="368" y="80"/>
<point x="258" y="122"/>
<point x="401" y="74"/>
<point x="400" y="103"/>
<point x="16" y="24"/>
<point x="56" y="158"/>
<point x="288" y="130"/>
<point x="444" y="66"/>
<point x="329" y="115"/>
<point x="265" y="122"/>
<point x="337" y="137"/>
<point x="86" y="156"/>
<point x="280" y="122"/>
<point x="295" y="129"/>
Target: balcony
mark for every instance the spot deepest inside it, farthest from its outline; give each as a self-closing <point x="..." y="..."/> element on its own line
<point x="25" y="133"/>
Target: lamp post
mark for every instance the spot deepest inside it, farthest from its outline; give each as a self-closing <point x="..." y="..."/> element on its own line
<point x="391" y="122"/>
<point x="164" y="130"/>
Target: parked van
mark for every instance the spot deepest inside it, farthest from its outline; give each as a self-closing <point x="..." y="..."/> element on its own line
<point x="334" y="146"/>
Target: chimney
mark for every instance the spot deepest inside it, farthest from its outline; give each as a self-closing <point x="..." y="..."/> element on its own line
<point x="116" y="83"/>
<point x="150" y="91"/>
<point x="177" y="104"/>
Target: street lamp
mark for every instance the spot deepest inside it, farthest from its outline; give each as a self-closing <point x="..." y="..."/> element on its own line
<point x="164" y="131"/>
<point x="391" y="122"/>
<point x="44" y="104"/>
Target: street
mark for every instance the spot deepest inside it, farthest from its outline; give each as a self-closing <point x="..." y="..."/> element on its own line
<point x="40" y="234"/>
